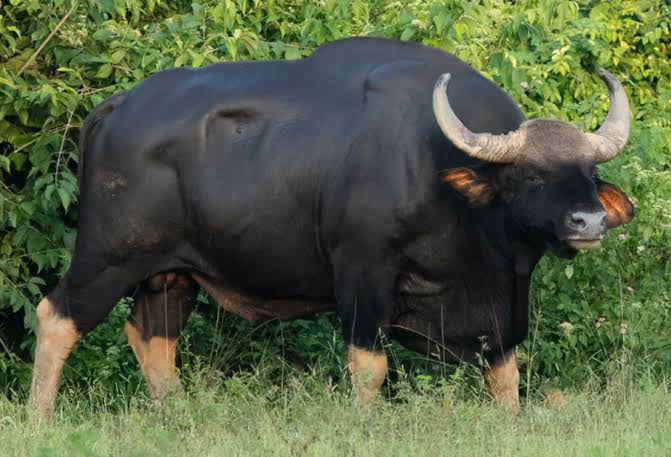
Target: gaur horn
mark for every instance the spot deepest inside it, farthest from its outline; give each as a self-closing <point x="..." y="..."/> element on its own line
<point x="484" y="146"/>
<point x="608" y="141"/>
<point x="611" y="137"/>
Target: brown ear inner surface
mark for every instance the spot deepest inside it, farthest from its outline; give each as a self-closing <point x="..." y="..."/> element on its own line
<point x="465" y="181"/>
<point x="616" y="203"/>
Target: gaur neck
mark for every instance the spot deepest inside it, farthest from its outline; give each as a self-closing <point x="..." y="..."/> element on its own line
<point x="521" y="252"/>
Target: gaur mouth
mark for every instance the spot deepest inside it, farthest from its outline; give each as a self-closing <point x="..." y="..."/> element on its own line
<point x="581" y="243"/>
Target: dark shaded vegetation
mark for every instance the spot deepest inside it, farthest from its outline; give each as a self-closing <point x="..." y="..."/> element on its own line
<point x="59" y="59"/>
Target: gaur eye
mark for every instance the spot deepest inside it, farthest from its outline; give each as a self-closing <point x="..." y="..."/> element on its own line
<point x="534" y="180"/>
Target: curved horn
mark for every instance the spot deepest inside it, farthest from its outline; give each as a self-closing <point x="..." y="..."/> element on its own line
<point x="483" y="146"/>
<point x="611" y="137"/>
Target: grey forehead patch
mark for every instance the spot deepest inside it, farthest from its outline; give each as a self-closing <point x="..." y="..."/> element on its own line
<point x="551" y="140"/>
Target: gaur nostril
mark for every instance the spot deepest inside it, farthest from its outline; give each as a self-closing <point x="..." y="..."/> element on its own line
<point x="588" y="222"/>
<point x="577" y="221"/>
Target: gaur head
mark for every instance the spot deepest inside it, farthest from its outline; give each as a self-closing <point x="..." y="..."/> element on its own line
<point x="544" y="172"/>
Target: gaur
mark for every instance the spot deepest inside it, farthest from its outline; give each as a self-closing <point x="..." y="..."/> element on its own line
<point x="387" y="181"/>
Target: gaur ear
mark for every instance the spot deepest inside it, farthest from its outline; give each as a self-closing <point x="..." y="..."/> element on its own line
<point x="472" y="185"/>
<point x="619" y="207"/>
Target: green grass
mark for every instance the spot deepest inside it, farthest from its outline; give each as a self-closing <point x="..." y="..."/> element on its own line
<point x="246" y="414"/>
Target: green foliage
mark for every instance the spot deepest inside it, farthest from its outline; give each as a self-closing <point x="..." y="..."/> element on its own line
<point x="58" y="59"/>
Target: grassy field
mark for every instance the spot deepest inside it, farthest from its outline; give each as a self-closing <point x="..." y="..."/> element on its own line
<point x="306" y="415"/>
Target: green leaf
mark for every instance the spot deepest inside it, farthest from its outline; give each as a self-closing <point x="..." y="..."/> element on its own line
<point x="7" y="82"/>
<point x="568" y="271"/>
<point x="442" y="20"/>
<point x="104" y="71"/>
<point x="197" y="60"/>
<point x="117" y="57"/>
<point x="407" y="34"/>
<point x="13" y="218"/>
<point x="65" y="197"/>
<point x="292" y="53"/>
<point x="18" y="158"/>
<point x="148" y="59"/>
<point x="29" y="207"/>
<point x="5" y="163"/>
<point x="23" y="116"/>
<point x="181" y="60"/>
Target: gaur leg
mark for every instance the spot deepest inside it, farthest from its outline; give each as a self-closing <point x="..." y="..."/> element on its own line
<point x="364" y="306"/>
<point x="57" y="334"/>
<point x="368" y="368"/>
<point x="76" y="306"/>
<point x="503" y="381"/>
<point x="162" y="306"/>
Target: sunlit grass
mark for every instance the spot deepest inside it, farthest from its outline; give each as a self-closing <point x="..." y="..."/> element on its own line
<point x="246" y="414"/>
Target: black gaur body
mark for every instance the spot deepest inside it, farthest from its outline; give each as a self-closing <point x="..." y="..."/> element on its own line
<point x="286" y="188"/>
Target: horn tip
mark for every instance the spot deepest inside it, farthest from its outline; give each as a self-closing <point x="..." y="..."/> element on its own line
<point x="443" y="79"/>
<point x="605" y="74"/>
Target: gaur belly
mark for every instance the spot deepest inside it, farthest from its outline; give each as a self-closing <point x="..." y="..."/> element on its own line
<point x="417" y="325"/>
<point x="255" y="309"/>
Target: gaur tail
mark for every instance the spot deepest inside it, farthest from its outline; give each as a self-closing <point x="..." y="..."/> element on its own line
<point x="90" y="126"/>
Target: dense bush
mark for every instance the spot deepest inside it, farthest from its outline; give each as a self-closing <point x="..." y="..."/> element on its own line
<point x="58" y="59"/>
